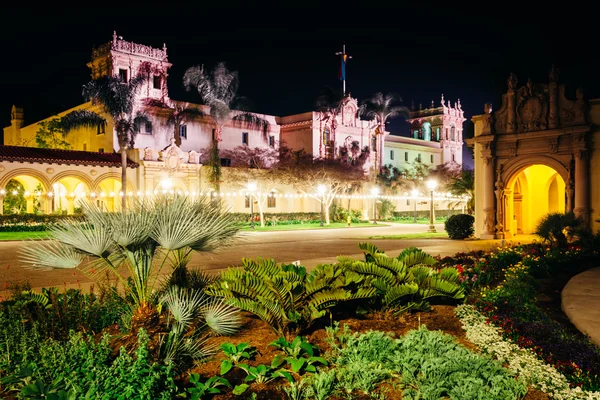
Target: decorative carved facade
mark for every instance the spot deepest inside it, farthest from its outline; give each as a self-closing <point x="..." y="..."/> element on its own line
<point x="536" y="125"/>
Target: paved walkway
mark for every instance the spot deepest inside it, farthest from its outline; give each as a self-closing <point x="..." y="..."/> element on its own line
<point x="581" y="302"/>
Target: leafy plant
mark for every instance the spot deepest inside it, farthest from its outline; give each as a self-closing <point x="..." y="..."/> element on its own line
<point x="300" y="354"/>
<point x="264" y="373"/>
<point x="321" y="385"/>
<point x="296" y="390"/>
<point x="211" y="386"/>
<point x="285" y="296"/>
<point x="460" y="226"/>
<point x="235" y="353"/>
<point x="556" y="228"/>
<point x="405" y="282"/>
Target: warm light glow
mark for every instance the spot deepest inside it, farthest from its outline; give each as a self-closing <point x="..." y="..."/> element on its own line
<point x="252" y="186"/>
<point x="431" y="184"/>
<point x="166" y="183"/>
<point x="414" y="193"/>
<point x="322" y="189"/>
<point x="375" y="191"/>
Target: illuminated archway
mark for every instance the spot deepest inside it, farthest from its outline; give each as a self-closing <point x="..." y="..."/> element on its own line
<point x="69" y="191"/>
<point x="106" y="194"/>
<point x="24" y="194"/>
<point x="531" y="193"/>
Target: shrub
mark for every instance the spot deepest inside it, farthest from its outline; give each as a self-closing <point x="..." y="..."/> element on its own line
<point x="285" y="296"/>
<point x="404" y="282"/>
<point x="459" y="226"/>
<point x="556" y="228"/>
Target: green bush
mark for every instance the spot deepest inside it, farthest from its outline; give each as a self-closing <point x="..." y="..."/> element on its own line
<point x="337" y="213"/>
<point x="557" y="228"/>
<point x="460" y="226"/>
<point x="285" y="296"/>
<point x="427" y="364"/>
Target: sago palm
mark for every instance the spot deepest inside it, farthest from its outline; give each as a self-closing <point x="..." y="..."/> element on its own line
<point x="117" y="99"/>
<point x="218" y="90"/>
<point x="155" y="238"/>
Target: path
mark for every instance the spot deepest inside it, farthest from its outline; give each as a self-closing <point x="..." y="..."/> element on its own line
<point x="581" y="302"/>
<point x="310" y="247"/>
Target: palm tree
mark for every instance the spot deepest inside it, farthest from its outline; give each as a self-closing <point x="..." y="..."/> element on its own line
<point x="117" y="99"/>
<point x="464" y="185"/>
<point x="218" y="90"/>
<point x="381" y="108"/>
<point x="179" y="113"/>
<point x="330" y="104"/>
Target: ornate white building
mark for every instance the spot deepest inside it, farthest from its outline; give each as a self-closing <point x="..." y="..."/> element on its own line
<point x="157" y="158"/>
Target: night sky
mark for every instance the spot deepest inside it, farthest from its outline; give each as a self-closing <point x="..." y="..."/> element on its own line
<point x="285" y="56"/>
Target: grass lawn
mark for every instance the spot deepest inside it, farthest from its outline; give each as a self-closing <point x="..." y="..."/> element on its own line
<point x="423" y="235"/>
<point x="297" y="227"/>
<point x="23" y="235"/>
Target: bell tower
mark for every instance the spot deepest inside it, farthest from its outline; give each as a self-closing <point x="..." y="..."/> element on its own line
<point x="442" y="124"/>
<point x="123" y="59"/>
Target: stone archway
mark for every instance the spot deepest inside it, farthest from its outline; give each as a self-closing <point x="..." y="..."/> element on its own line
<point x="530" y="193"/>
<point x="534" y="150"/>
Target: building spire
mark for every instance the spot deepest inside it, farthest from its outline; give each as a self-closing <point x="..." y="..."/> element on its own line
<point x="344" y="59"/>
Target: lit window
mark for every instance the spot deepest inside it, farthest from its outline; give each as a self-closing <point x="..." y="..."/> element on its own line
<point x="245" y="138"/>
<point x="426" y="131"/>
<point x="416" y="134"/>
<point x="272" y="141"/>
<point x="183" y="131"/>
<point x="123" y="75"/>
<point x="391" y="154"/>
<point x="437" y="133"/>
<point x="326" y="137"/>
<point x="157" y="82"/>
<point x="271" y="201"/>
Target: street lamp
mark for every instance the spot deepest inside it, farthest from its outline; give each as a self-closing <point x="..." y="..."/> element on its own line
<point x="321" y="189"/>
<point x="414" y="193"/>
<point x="375" y="193"/>
<point x="251" y="190"/>
<point x="431" y="185"/>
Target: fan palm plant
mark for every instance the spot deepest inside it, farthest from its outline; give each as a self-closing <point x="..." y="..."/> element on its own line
<point x="117" y="99"/>
<point x="218" y="89"/>
<point x="155" y="235"/>
<point x="380" y="108"/>
<point x="180" y="114"/>
<point x="464" y="185"/>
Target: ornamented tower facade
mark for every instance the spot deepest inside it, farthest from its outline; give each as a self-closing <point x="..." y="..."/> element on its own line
<point x="442" y="124"/>
<point x="122" y="58"/>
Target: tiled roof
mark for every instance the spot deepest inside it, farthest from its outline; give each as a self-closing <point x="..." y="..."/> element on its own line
<point x="68" y="157"/>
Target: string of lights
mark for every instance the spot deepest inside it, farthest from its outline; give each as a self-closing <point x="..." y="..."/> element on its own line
<point x="74" y="195"/>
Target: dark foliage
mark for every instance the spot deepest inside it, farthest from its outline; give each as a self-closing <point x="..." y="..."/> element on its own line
<point x="460" y="226"/>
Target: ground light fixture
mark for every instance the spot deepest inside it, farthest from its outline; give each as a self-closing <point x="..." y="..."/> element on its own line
<point x="431" y="185"/>
<point x="321" y="189"/>
<point x="375" y="193"/>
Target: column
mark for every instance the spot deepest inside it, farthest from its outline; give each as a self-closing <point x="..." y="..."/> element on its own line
<point x="582" y="196"/>
<point x="1" y="204"/>
<point x="489" y="210"/>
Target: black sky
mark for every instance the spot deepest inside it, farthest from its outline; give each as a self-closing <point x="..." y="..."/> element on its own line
<point x="286" y="54"/>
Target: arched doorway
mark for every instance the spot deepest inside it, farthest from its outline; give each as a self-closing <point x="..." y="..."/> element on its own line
<point x="24" y="194"/>
<point x="531" y="193"/>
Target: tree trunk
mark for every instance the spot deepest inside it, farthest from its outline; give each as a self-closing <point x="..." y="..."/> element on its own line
<point x="261" y="205"/>
<point x="124" y="179"/>
<point x="176" y="135"/>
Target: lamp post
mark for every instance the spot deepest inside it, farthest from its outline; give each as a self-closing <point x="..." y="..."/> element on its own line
<point x="431" y="184"/>
<point x="251" y="190"/>
<point x="414" y="193"/>
<point x="321" y="189"/>
<point x="375" y="193"/>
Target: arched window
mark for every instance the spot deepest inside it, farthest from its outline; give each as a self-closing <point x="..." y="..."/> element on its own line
<point x="437" y="134"/>
<point x="426" y="129"/>
<point x="452" y="133"/>
<point x="326" y="136"/>
<point x="416" y="134"/>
